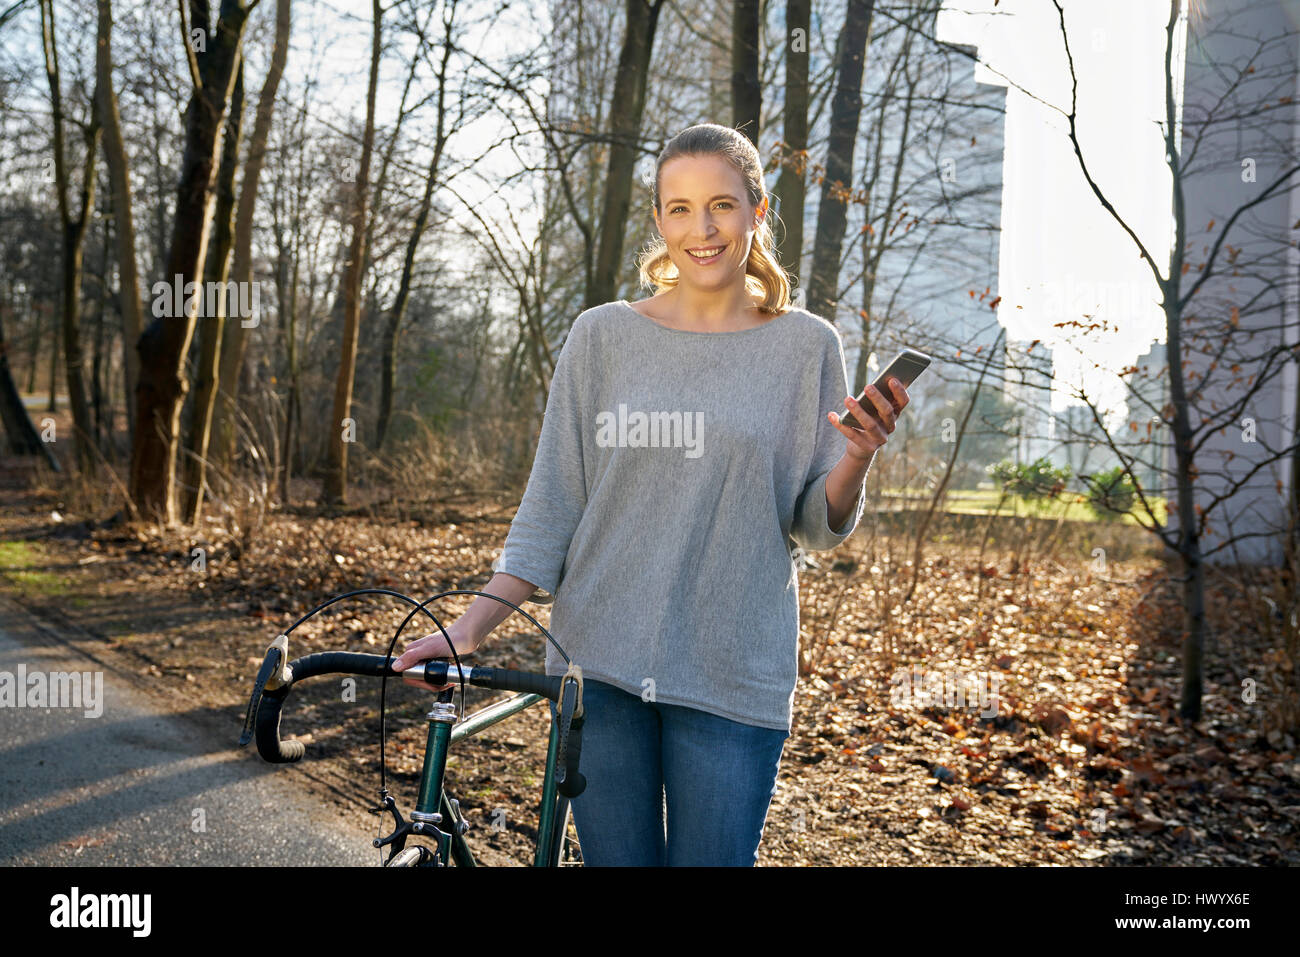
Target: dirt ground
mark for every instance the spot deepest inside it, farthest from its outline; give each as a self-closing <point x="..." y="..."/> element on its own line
<point x="1084" y="762"/>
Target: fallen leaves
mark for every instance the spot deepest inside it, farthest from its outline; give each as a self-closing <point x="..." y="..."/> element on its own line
<point x="1080" y="759"/>
<point x="1073" y="747"/>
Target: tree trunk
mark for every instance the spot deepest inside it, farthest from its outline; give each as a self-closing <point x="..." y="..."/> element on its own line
<point x="1189" y="542"/>
<point x="53" y="405"/>
<point x="98" y="372"/>
<point x="217" y="270"/>
<point x="1291" y="547"/>
<point x="790" y="187"/>
<point x="241" y="270"/>
<point x="34" y="347"/>
<point x="288" y="297"/>
<point x="392" y="328"/>
<point x="388" y="377"/>
<point x="626" y="108"/>
<point x="832" y="213"/>
<point x="22" y="435"/>
<point x="746" y="86"/>
<point x="293" y="411"/>
<point x="165" y="343"/>
<point x="120" y="186"/>
<point x="74" y="237"/>
<point x="342" y="432"/>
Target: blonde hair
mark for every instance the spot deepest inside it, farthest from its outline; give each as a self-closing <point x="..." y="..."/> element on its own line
<point x="764" y="274"/>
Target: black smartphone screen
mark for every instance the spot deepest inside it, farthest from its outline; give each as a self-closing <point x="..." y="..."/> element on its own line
<point x="906" y="367"/>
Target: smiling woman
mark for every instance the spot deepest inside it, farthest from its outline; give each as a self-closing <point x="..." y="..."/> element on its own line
<point x="670" y="557"/>
<point x="710" y="207"/>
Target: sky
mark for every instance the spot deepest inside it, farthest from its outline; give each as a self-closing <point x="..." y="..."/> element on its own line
<point x="495" y="31"/>
<point x="1062" y="255"/>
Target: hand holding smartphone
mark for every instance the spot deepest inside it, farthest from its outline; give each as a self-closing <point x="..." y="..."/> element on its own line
<point x="905" y="367"/>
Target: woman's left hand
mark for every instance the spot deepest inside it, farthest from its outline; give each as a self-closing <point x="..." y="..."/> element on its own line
<point x="863" y="443"/>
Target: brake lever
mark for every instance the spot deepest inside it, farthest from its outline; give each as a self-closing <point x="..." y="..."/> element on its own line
<point x="570" y="701"/>
<point x="567" y="696"/>
<point x="274" y="672"/>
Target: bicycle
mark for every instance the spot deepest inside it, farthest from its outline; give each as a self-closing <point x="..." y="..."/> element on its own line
<point x="434" y="806"/>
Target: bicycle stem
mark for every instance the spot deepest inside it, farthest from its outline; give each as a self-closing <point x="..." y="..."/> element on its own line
<point x="426" y="816"/>
<point x="441" y="717"/>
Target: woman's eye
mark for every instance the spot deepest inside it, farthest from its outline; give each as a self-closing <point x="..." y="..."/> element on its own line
<point x="722" y="203"/>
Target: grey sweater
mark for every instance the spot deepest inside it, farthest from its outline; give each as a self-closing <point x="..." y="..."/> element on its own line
<point x="675" y="473"/>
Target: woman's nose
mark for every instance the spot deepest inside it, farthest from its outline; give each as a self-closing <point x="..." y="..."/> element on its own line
<point x="706" y="227"/>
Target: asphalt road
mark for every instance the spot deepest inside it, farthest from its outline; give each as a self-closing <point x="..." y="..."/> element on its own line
<point x="140" y="786"/>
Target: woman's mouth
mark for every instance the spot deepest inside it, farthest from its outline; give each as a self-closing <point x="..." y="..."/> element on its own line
<point x="706" y="254"/>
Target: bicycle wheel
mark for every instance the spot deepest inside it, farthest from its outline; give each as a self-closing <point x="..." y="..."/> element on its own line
<point x="570" y="849"/>
<point x="417" y="855"/>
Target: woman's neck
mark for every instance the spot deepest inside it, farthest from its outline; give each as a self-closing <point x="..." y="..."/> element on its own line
<point x="709" y="308"/>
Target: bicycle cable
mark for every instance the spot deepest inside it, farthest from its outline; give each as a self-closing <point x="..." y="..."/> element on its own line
<point x="418" y="607"/>
<point x="460" y="674"/>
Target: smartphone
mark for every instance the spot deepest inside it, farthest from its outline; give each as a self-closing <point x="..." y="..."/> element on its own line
<point x="906" y="367"/>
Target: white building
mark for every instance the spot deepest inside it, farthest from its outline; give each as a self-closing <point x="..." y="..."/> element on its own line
<point x="1240" y="134"/>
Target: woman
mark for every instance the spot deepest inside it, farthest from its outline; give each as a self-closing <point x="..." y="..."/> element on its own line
<point x="679" y="459"/>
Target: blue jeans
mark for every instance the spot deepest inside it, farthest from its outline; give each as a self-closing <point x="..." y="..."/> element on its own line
<point x="713" y="777"/>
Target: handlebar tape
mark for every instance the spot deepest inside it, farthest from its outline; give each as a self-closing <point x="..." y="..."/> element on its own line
<point x="269" y="744"/>
<point x="276" y="751"/>
<point x="500" y="679"/>
<point x="573" y="783"/>
<point x="341" y="662"/>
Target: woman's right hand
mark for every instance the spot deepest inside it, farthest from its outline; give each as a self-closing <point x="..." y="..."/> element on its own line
<point x="463" y="639"/>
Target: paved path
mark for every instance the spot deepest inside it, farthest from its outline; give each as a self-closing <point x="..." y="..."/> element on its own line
<point x="123" y="788"/>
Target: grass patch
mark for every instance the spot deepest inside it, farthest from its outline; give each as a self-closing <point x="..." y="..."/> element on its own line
<point x="20" y="561"/>
<point x="984" y="501"/>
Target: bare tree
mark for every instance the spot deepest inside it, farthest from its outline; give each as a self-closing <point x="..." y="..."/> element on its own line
<point x="397" y="313"/>
<point x="120" y="183"/>
<point x="625" y="116"/>
<point x="846" y="108"/>
<point x="234" y="340"/>
<point x="941" y="489"/>
<point x="336" y="473"/>
<point x="1197" y="410"/>
<point x="74" y="236"/>
<point x="212" y="327"/>
<point x="165" y="343"/>
<point x="746" y="84"/>
<point x="791" y="187"/>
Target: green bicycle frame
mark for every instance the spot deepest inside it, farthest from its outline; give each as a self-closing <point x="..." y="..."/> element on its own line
<point x="433" y="806"/>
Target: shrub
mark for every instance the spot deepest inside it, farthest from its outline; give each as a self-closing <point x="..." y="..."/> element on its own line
<point x="1111" y="493"/>
<point x="1037" y="479"/>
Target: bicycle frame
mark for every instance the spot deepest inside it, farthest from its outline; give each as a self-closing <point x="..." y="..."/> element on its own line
<point x="434" y="807"/>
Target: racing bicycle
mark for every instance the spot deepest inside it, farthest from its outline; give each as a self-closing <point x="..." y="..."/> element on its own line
<point x="436" y="818"/>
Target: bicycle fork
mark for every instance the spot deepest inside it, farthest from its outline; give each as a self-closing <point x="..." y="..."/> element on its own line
<point x="432" y="807"/>
<point x="430" y="803"/>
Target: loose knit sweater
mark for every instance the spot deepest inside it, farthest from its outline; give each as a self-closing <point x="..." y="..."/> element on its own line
<point x="675" y="474"/>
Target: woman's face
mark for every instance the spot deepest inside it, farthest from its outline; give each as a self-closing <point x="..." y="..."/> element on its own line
<point x="706" y="220"/>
